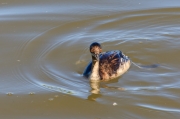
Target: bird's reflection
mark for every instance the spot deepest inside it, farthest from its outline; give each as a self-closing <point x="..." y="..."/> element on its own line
<point x="95" y="89"/>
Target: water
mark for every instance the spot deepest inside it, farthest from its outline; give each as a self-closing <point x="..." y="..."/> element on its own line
<point x="44" y="50"/>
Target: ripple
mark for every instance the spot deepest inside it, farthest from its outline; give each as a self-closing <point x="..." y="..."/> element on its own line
<point x="54" y="59"/>
<point x="10" y="93"/>
<point x="160" y="108"/>
<point x="45" y="48"/>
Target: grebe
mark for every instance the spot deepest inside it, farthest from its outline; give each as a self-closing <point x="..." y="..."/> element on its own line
<point x="106" y="65"/>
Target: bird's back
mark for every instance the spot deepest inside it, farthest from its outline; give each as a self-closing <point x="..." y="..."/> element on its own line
<point x="109" y="64"/>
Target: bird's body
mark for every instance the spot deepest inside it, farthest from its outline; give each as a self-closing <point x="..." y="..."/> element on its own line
<point x="107" y="65"/>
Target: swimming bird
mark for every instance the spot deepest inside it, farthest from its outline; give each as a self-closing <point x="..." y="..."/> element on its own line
<point x="106" y="65"/>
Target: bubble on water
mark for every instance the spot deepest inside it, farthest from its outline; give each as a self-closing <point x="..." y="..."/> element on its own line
<point x="31" y="93"/>
<point x="9" y="93"/>
<point x="59" y="89"/>
<point x="69" y="92"/>
<point x="114" y="104"/>
<point x="51" y="99"/>
<point x="56" y="96"/>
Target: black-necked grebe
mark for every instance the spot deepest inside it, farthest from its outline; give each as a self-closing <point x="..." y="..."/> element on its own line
<point x="106" y="65"/>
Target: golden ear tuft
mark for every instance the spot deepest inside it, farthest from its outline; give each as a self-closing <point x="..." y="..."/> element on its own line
<point x="100" y="50"/>
<point x="92" y="50"/>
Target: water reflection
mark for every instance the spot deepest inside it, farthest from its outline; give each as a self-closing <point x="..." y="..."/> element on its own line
<point x="93" y="97"/>
<point x="95" y="86"/>
<point x="40" y="47"/>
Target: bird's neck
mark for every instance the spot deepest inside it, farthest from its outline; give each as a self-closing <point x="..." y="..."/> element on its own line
<point x="95" y="70"/>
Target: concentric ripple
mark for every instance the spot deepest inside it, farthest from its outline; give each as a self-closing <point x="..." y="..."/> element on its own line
<point x="49" y="60"/>
<point x="53" y="58"/>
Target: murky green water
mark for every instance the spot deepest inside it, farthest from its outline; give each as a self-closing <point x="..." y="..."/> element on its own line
<point x="44" y="50"/>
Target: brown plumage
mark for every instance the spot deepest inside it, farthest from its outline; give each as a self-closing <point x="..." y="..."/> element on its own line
<point x="109" y="63"/>
<point x="106" y="65"/>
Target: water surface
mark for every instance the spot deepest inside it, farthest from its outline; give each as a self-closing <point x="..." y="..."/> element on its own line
<point x="44" y="50"/>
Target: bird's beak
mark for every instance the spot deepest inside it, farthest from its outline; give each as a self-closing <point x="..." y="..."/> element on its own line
<point x="97" y="56"/>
